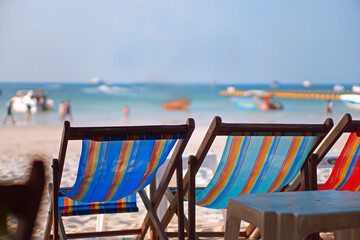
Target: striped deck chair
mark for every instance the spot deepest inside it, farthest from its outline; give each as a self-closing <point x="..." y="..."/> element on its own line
<point x="257" y="158"/>
<point x="115" y="164"/>
<point x="345" y="175"/>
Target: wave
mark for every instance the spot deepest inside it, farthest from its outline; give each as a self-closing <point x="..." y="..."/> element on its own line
<point x="106" y="89"/>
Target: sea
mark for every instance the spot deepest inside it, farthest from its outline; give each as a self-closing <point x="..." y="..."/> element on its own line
<point x="92" y="105"/>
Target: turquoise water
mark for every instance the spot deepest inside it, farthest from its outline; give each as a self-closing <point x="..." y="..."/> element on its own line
<point x="92" y="106"/>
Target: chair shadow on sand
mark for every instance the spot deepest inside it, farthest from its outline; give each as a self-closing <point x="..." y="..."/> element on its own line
<point x="22" y="201"/>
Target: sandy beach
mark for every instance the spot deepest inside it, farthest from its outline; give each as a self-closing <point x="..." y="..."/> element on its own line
<point x="20" y="144"/>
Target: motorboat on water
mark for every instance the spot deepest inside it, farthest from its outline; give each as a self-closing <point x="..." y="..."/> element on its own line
<point x="356" y="88"/>
<point x="178" y="104"/>
<point x="37" y="101"/>
<point x="97" y="81"/>
<point x="351" y="100"/>
<point x="275" y="85"/>
<point x="306" y="83"/>
<point x="256" y="100"/>
<point x="338" y="88"/>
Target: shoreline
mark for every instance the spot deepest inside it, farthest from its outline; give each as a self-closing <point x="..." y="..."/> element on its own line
<point x="45" y="140"/>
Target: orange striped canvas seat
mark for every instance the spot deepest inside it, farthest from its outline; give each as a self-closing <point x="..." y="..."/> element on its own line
<point x="346" y="172"/>
<point x="257" y="158"/>
<point x="256" y="164"/>
<point x="345" y="175"/>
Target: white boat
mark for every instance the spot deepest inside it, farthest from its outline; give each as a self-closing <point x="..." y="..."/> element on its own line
<point x="351" y="100"/>
<point x="356" y="88"/>
<point x="338" y="88"/>
<point x="97" y="81"/>
<point x="37" y="102"/>
<point x="307" y="83"/>
<point x="231" y="89"/>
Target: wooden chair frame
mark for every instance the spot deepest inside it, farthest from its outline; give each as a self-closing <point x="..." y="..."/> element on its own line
<point x="175" y="163"/>
<point x="217" y="128"/>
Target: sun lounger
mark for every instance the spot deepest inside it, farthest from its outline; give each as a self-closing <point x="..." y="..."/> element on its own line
<point x="257" y="158"/>
<point x="115" y="164"/>
<point x="346" y="172"/>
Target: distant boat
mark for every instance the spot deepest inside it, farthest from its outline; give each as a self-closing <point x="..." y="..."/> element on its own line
<point x="255" y="100"/>
<point x="306" y="83"/>
<point x="37" y="101"/>
<point x="178" y="104"/>
<point x="338" y="88"/>
<point x="231" y="89"/>
<point x="351" y="100"/>
<point x="97" y="81"/>
<point x="275" y="85"/>
<point x="356" y="88"/>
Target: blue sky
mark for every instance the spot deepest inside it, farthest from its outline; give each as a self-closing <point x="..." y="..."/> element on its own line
<point x="187" y="41"/>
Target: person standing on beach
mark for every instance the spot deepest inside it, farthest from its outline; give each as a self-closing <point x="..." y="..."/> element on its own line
<point x="28" y="113"/>
<point x="126" y="111"/>
<point x="9" y="111"/>
<point x="68" y="109"/>
<point x="329" y="107"/>
<point x="62" y="111"/>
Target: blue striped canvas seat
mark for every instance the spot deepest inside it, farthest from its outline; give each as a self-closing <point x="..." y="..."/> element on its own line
<point x="111" y="170"/>
<point x="115" y="165"/>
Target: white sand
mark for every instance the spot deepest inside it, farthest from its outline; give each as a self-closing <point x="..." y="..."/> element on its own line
<point x="19" y="144"/>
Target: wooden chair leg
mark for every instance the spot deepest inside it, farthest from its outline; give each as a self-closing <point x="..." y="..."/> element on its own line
<point x="180" y="207"/>
<point x="54" y="197"/>
<point x="192" y="217"/>
<point x="170" y="197"/>
<point x="153" y="235"/>
<point x="62" y="234"/>
<point x="152" y="214"/>
<point x="49" y="222"/>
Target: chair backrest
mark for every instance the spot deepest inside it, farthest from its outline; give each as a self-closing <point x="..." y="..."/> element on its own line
<point x="116" y="162"/>
<point x="346" y="172"/>
<point x="23" y="201"/>
<point x="259" y="158"/>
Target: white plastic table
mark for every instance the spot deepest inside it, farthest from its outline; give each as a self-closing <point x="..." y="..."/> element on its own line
<point x="294" y="215"/>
